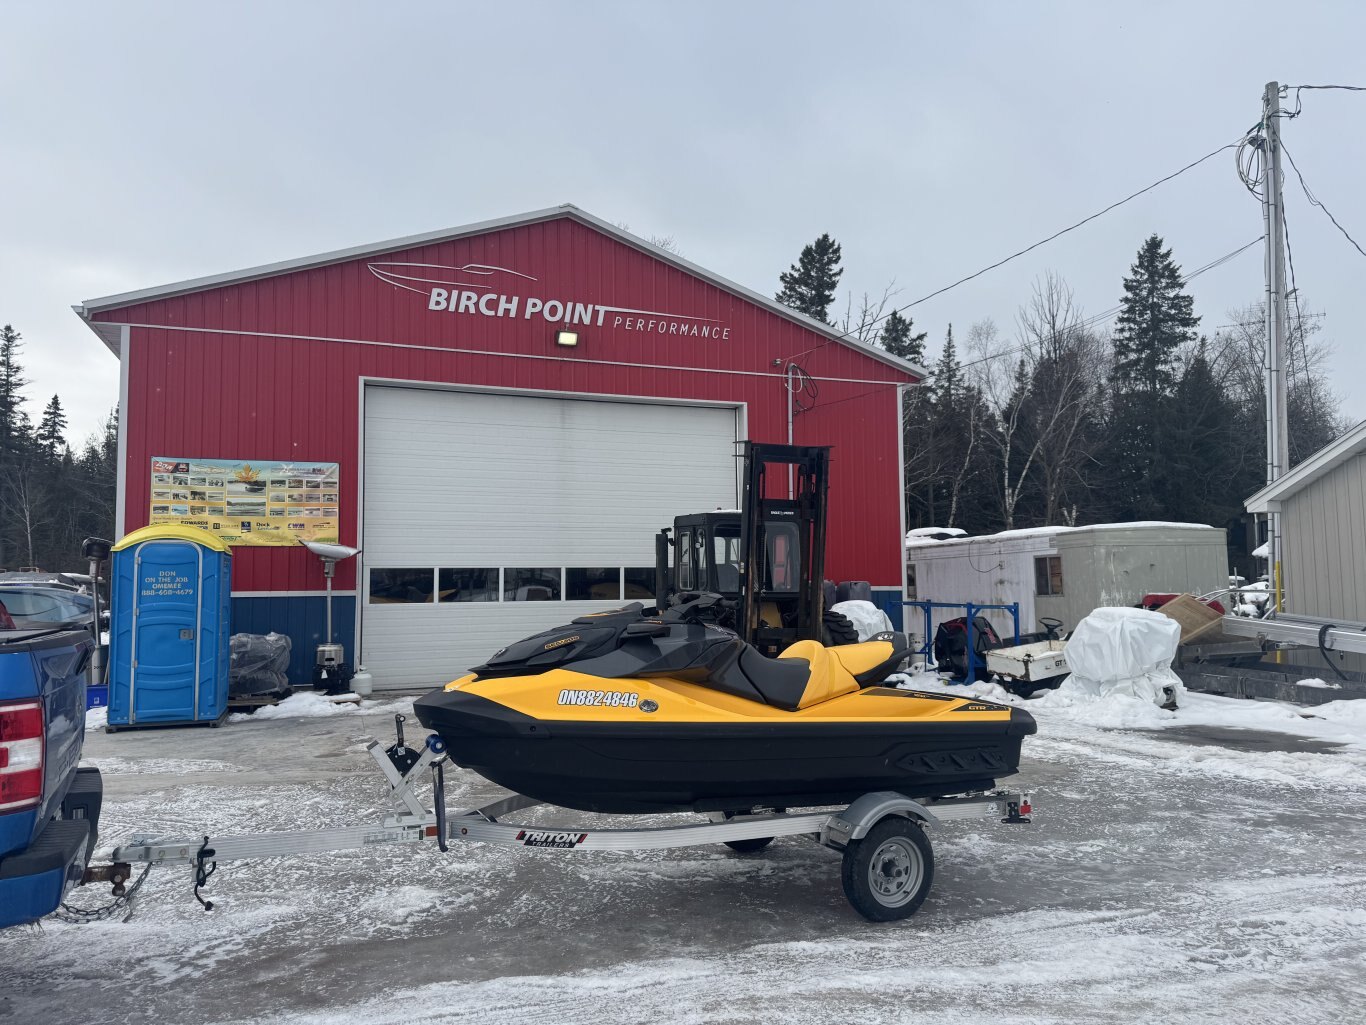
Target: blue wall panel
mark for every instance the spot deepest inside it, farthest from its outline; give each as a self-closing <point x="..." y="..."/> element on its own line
<point x="304" y="620"/>
<point x="889" y="601"/>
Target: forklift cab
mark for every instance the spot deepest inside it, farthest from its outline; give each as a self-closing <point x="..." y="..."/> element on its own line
<point x="778" y="593"/>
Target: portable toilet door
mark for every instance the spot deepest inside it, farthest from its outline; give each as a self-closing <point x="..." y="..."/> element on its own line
<point x="170" y="627"/>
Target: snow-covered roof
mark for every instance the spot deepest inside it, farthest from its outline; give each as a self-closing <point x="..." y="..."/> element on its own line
<point x="936" y="531"/>
<point x="1332" y="455"/>
<point x="1024" y="533"/>
<point x="1262" y="551"/>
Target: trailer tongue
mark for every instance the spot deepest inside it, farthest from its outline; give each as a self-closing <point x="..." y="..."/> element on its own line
<point x="887" y="860"/>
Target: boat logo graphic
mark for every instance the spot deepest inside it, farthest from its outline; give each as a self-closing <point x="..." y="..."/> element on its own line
<point x="548" y="838"/>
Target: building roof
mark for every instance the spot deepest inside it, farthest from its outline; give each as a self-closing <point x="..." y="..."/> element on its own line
<point x="109" y="333"/>
<point x="1332" y="455"/>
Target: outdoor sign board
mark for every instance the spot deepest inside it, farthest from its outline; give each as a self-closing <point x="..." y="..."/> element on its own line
<point x="252" y="503"/>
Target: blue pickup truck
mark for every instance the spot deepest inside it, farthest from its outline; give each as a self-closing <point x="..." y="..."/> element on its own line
<point x="49" y="806"/>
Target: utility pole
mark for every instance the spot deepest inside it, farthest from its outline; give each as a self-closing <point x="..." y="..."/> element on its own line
<point x="1277" y="439"/>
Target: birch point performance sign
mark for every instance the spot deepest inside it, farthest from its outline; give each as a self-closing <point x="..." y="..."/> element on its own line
<point x="248" y="503"/>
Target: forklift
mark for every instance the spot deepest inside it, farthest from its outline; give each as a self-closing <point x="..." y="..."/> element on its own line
<point x="759" y="569"/>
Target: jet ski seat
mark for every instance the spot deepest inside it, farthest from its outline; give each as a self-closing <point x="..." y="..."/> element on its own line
<point x="807" y="673"/>
<point x="827" y="676"/>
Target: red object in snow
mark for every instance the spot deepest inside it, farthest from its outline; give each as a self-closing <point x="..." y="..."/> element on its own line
<point x="1153" y="602"/>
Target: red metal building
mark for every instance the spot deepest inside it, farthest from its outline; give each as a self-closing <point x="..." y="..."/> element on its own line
<point x="478" y="454"/>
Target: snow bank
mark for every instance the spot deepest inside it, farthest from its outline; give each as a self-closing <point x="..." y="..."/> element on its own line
<point x="312" y="705"/>
<point x="867" y="618"/>
<point x="1120" y="651"/>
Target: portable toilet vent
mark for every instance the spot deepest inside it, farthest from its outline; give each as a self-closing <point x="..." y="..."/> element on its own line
<point x="170" y="624"/>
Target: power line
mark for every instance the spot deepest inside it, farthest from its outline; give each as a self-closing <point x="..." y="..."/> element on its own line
<point x="1315" y="201"/>
<point x="1027" y="249"/>
<point x="1106" y="315"/>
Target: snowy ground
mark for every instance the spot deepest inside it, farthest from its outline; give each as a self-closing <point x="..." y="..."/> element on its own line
<point x="1199" y="866"/>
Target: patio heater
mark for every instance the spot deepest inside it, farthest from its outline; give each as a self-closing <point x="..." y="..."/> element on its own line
<point x="330" y="670"/>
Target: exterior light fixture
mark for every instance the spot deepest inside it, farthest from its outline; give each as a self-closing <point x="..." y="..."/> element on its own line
<point x="568" y="339"/>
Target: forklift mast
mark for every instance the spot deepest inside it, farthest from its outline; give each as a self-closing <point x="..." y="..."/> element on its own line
<point x="768" y="557"/>
<point x="768" y="527"/>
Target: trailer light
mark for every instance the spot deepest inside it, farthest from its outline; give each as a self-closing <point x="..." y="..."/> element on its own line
<point x="1026" y="808"/>
<point x="21" y="755"/>
<point x="569" y="339"/>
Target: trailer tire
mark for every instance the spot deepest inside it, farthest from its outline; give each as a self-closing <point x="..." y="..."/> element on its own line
<point x="751" y="846"/>
<point x="888" y="873"/>
<point x="836" y="629"/>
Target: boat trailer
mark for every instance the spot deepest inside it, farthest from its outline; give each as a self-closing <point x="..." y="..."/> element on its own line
<point x="887" y="861"/>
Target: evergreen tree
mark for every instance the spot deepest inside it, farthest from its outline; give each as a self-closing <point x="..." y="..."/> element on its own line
<point x="49" y="436"/>
<point x="897" y="339"/>
<point x="809" y="287"/>
<point x="1204" y="446"/>
<point x="14" y="423"/>
<point x="1156" y="321"/>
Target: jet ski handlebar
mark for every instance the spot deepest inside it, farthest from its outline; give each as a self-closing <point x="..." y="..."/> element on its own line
<point x="701" y="607"/>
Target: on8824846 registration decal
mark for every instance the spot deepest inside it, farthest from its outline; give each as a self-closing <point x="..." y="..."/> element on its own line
<point x="600" y="698"/>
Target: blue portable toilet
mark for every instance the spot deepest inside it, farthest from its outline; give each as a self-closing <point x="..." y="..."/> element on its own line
<point x="170" y="623"/>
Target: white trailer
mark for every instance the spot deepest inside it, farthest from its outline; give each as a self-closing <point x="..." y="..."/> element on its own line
<point x="1067" y="572"/>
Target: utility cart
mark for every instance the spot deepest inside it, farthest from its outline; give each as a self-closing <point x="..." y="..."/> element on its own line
<point x="887" y="862"/>
<point x="1026" y="668"/>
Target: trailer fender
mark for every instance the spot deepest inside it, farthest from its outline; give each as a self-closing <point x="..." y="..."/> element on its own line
<point x="854" y="822"/>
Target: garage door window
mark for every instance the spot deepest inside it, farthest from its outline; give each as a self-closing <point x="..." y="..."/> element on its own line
<point x="531" y="584"/>
<point x="600" y="584"/>
<point x="640" y="583"/>
<point x="401" y="586"/>
<point x="467" y="585"/>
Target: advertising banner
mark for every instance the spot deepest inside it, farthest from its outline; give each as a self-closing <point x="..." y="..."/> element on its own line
<point x="248" y="503"/>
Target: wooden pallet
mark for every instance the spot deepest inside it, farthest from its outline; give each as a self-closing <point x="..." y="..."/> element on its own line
<point x="252" y="702"/>
<point x="1195" y="618"/>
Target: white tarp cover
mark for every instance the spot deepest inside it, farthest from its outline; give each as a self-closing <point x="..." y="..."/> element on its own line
<point x="867" y="618"/>
<point x="1124" y="651"/>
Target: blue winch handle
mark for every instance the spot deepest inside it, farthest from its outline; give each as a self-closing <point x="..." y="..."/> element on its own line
<point x="435" y="744"/>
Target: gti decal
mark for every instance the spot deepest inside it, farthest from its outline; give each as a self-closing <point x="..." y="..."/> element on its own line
<point x="482" y="290"/>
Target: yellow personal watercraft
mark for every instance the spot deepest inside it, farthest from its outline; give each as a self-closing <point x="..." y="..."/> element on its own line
<point x="628" y="712"/>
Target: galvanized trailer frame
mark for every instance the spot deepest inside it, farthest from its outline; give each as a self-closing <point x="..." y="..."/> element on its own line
<point x="884" y="881"/>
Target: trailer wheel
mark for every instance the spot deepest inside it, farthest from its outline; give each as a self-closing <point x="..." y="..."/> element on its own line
<point x="752" y="846"/>
<point x="836" y="629"/>
<point x="887" y="874"/>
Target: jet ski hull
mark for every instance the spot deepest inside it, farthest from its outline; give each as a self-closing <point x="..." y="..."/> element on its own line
<point x="661" y="766"/>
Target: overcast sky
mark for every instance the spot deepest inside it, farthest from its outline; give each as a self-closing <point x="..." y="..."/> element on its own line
<point x="145" y="144"/>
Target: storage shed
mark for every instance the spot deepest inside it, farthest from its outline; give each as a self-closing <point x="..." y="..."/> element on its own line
<point x="1065" y="572"/>
<point x="500" y="416"/>
<point x="1322" y="503"/>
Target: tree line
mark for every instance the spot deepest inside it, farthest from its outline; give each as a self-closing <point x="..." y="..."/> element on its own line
<point x="1070" y="420"/>
<point x="52" y="496"/>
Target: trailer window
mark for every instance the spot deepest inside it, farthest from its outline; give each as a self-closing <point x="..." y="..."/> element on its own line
<point x="783" y="568"/>
<point x="1048" y="575"/>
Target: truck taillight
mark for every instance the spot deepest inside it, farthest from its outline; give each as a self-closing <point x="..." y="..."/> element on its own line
<point x="21" y="755"/>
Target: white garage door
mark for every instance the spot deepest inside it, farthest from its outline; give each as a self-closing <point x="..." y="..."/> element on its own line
<point x="489" y="517"/>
